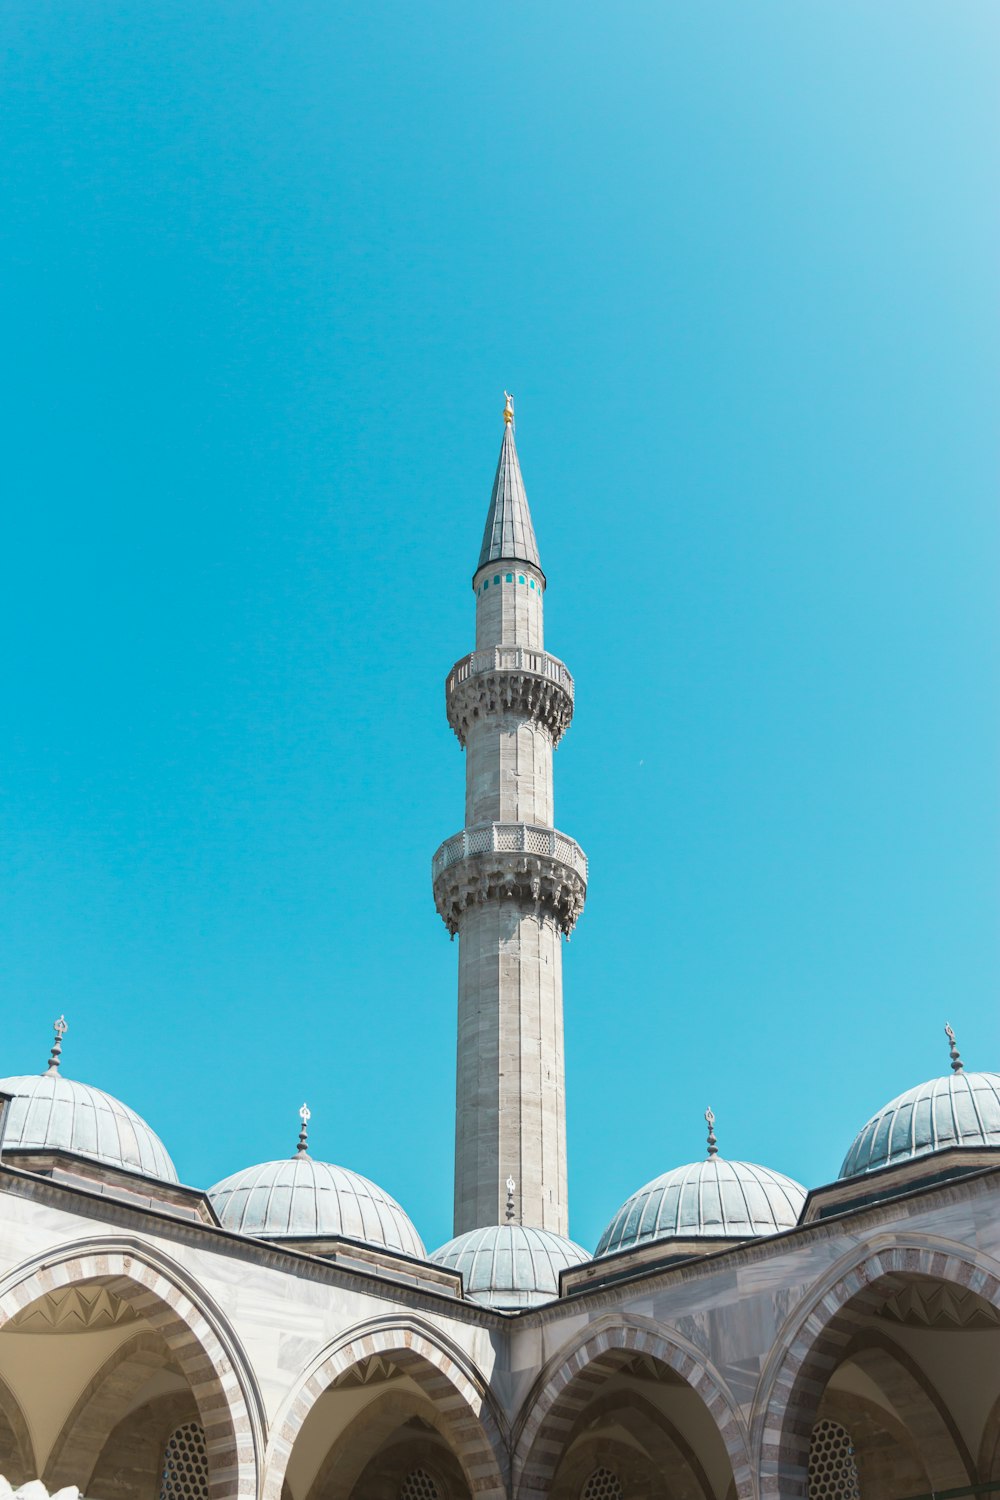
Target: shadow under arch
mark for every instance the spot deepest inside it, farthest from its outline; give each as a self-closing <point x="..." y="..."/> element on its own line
<point x="99" y="1406"/>
<point x="820" y="1337"/>
<point x="15" y="1439"/>
<point x="989" y="1447"/>
<point x="574" y="1377"/>
<point x="666" y="1449"/>
<point x="368" y="1433"/>
<point x="144" y="1281"/>
<point x="460" y="1400"/>
<point x="919" y="1405"/>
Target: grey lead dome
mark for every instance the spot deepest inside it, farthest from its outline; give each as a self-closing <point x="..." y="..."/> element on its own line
<point x="710" y="1199"/>
<point x="300" y="1198"/>
<point x="510" y="1266"/>
<point x="962" y="1109"/>
<point x="52" y="1113"/>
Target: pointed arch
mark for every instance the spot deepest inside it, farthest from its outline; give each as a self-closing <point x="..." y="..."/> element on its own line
<point x="570" y="1381"/>
<point x="818" y="1338"/>
<point x="458" y="1395"/>
<point x="223" y="1389"/>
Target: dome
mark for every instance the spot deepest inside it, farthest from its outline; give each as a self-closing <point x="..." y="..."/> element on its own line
<point x="710" y="1199"/>
<point x="52" y="1113"/>
<point x="509" y="1266"/>
<point x="298" y="1198"/>
<point x="960" y="1110"/>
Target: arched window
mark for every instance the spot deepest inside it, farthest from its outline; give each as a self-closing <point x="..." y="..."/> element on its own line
<point x="185" y="1465"/>
<point x="603" y="1484"/>
<point x="833" y="1474"/>
<point x="418" y="1485"/>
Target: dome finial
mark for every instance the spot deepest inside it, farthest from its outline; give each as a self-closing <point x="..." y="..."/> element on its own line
<point x="305" y="1115"/>
<point x="713" y="1148"/>
<point x="511" y="1185"/>
<point x="60" y="1028"/>
<point x="508" y="411"/>
<point x="956" y="1062"/>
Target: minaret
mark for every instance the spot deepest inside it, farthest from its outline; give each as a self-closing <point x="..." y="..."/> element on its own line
<point x="509" y="885"/>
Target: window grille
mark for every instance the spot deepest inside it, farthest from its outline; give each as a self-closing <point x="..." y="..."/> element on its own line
<point x="833" y="1474"/>
<point x="418" y="1485"/>
<point x="603" y="1484"/>
<point x="185" y="1465"/>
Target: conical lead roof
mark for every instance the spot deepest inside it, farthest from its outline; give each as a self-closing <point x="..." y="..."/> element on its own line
<point x="509" y="534"/>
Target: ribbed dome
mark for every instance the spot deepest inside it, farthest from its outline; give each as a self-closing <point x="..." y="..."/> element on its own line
<point x="962" y="1109"/>
<point x="710" y="1199"/>
<point x="507" y="1266"/>
<point x="52" y="1113"/>
<point x="298" y="1197"/>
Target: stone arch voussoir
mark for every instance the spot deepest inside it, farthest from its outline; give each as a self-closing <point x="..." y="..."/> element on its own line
<point x="820" y="1340"/>
<point x="189" y="1335"/>
<point x="569" y="1384"/>
<point x="467" y="1418"/>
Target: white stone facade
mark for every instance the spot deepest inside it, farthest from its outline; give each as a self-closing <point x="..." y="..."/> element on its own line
<point x="702" y="1379"/>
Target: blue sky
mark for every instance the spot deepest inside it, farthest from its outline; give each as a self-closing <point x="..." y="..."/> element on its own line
<point x="266" y="271"/>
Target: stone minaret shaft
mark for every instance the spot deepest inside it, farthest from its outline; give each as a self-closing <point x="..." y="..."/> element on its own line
<point x="509" y="884"/>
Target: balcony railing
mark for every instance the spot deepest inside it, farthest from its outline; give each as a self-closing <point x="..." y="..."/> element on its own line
<point x="511" y="659"/>
<point x="510" y="838"/>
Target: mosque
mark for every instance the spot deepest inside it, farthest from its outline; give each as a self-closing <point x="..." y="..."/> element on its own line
<point x="285" y="1335"/>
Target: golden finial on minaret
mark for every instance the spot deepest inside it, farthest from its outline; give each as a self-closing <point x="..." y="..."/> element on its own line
<point x="508" y="411"/>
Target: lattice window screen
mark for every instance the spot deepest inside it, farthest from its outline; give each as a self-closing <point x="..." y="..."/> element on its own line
<point x="418" y="1485"/>
<point x="833" y="1474"/>
<point x="185" y="1465"/>
<point x="603" y="1484"/>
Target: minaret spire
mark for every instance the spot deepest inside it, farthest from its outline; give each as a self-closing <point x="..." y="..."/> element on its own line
<point x="509" y="885"/>
<point x="509" y="535"/>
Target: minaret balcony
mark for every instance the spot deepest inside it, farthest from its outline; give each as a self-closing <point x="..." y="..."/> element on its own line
<point x="539" y="868"/>
<point x="515" y="680"/>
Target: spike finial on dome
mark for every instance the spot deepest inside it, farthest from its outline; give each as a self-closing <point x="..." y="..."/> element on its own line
<point x="713" y="1146"/>
<point x="60" y="1028"/>
<point x="510" y="1185"/>
<point x="305" y="1115"/>
<point x="956" y="1062"/>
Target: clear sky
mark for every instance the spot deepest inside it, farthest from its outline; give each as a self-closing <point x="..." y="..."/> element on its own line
<point x="266" y="270"/>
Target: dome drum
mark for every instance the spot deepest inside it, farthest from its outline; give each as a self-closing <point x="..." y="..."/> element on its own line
<point x="946" y="1164"/>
